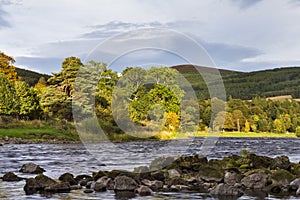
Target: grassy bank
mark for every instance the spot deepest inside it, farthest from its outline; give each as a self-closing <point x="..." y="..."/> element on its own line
<point x="246" y="135"/>
<point x="37" y="130"/>
<point x="33" y="133"/>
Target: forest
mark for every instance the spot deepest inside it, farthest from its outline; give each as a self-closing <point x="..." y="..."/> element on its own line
<point x="150" y="97"/>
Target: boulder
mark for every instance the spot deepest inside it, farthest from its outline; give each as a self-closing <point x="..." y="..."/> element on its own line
<point x="232" y="177"/>
<point x="101" y="184"/>
<point x="68" y="178"/>
<point x="31" y="168"/>
<point x="295" y="184"/>
<point x="281" y="162"/>
<point x="39" y="183"/>
<point x="144" y="190"/>
<point x="62" y="187"/>
<point x="173" y="173"/>
<point x="158" y="175"/>
<point x="99" y="187"/>
<point x="124" y="183"/>
<point x="211" y="174"/>
<point x="161" y="162"/>
<point x="226" y="190"/>
<point x="10" y="176"/>
<point x="110" y="184"/>
<point x="256" y="180"/>
<point x="282" y="177"/>
<point x="298" y="192"/>
<point x="156" y="185"/>
<point x="85" y="177"/>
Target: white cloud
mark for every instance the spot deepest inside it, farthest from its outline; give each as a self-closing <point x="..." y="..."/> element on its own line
<point x="235" y="32"/>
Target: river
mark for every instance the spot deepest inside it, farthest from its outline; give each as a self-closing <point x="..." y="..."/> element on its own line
<point x="57" y="159"/>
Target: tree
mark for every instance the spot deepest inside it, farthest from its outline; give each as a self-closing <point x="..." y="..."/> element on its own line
<point x="238" y="119"/>
<point x="172" y="121"/>
<point x="27" y="100"/>
<point x="247" y="126"/>
<point x="56" y="100"/>
<point x="7" y="97"/>
<point x="279" y="126"/>
<point x="7" y="68"/>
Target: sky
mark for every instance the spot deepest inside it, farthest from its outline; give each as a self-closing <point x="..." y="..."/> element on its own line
<point x="241" y="35"/>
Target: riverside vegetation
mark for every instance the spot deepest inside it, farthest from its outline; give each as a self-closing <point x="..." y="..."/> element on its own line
<point x="31" y="109"/>
<point x="230" y="177"/>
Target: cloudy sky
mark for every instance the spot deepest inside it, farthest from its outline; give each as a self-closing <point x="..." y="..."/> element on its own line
<point x="243" y="35"/>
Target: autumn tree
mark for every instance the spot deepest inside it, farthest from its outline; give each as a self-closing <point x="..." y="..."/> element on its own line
<point x="7" y="68"/>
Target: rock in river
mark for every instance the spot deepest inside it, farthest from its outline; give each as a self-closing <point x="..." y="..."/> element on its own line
<point x="124" y="183"/>
<point x="10" y="176"/>
<point x="31" y="168"/>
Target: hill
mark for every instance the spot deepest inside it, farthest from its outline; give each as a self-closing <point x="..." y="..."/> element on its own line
<point x="245" y="85"/>
<point x="31" y="77"/>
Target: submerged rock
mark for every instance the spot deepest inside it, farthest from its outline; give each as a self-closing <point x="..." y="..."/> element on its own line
<point x="144" y="190"/>
<point x="10" y="176"/>
<point x="62" y="187"/>
<point x="31" y="168"/>
<point x="226" y="190"/>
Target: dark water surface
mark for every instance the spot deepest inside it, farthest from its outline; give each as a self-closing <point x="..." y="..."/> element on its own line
<point x="57" y="159"/>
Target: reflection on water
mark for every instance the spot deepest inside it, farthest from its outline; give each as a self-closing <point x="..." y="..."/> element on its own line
<point x="60" y="158"/>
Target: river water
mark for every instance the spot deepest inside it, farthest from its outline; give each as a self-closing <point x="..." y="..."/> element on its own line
<point x="77" y="159"/>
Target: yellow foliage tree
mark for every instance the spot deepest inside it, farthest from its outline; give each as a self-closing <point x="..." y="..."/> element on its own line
<point x="247" y="126"/>
<point x="7" y="68"/>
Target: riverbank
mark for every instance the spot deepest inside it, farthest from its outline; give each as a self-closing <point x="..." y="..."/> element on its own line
<point x="48" y="134"/>
<point x="45" y="134"/>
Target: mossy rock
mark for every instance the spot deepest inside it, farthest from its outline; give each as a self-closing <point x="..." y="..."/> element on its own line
<point x="282" y="177"/>
<point x="99" y="174"/>
<point x="254" y="161"/>
<point x="211" y="174"/>
<point x="222" y="164"/>
<point x="263" y="170"/>
<point x="244" y="167"/>
<point x="281" y="162"/>
<point x="114" y="173"/>
<point x="175" y="181"/>
<point x="295" y="169"/>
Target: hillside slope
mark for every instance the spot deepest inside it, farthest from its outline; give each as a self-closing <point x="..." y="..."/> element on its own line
<point x="245" y="85"/>
<point x="30" y="77"/>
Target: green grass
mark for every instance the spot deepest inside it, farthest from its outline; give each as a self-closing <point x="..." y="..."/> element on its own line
<point x="248" y="135"/>
<point x="34" y="133"/>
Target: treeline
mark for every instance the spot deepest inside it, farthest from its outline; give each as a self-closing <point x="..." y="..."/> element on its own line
<point x="154" y="99"/>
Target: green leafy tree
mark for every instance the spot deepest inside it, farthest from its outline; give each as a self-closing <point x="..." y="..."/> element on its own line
<point x="27" y="100"/>
<point x="8" y="97"/>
